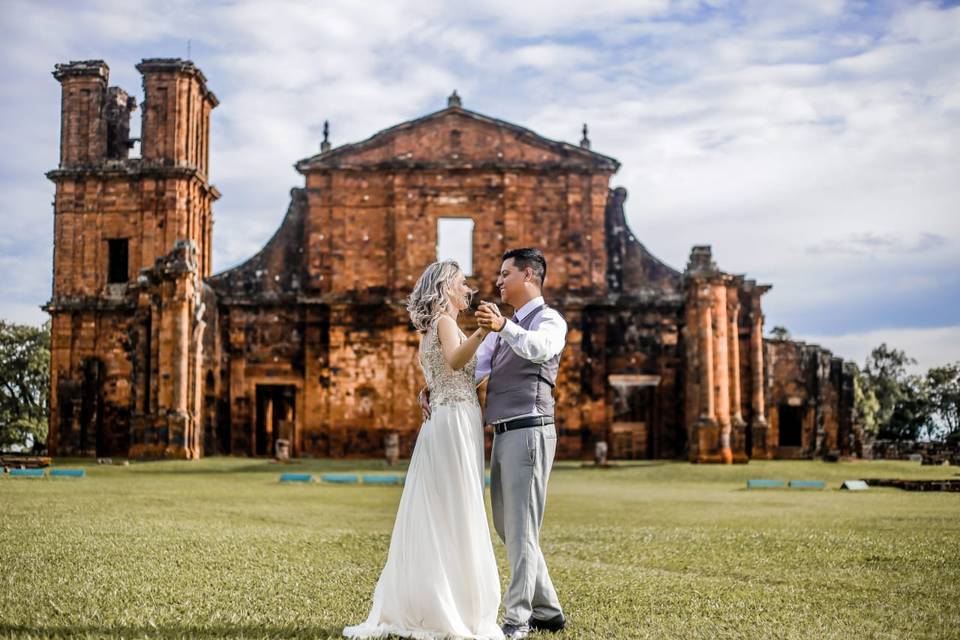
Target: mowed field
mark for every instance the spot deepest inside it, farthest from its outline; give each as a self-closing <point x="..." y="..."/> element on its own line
<point x="218" y="548"/>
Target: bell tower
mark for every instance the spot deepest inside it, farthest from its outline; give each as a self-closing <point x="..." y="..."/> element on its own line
<point x="119" y="356"/>
<point x="176" y="142"/>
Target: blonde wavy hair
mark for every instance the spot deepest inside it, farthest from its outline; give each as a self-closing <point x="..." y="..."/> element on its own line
<point x="433" y="292"/>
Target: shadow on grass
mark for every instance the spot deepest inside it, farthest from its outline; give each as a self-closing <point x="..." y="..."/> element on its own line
<point x="172" y="631"/>
<point x="226" y="465"/>
<point x="615" y="465"/>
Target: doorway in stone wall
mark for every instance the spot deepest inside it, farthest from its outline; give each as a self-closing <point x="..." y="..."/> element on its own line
<point x="276" y="406"/>
<point x="93" y="435"/>
<point x="630" y="435"/>
<point x="790" y="425"/>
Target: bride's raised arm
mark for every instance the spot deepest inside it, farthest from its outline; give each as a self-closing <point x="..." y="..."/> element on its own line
<point x="457" y="354"/>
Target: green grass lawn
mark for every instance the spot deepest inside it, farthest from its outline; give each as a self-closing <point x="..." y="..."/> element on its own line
<point x="218" y="548"/>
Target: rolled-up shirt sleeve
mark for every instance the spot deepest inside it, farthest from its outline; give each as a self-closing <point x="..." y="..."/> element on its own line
<point x="539" y="344"/>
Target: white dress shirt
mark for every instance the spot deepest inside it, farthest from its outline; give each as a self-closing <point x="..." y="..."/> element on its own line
<point x="544" y="339"/>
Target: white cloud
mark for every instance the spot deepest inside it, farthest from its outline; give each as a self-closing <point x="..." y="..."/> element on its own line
<point x="930" y="347"/>
<point x="814" y="144"/>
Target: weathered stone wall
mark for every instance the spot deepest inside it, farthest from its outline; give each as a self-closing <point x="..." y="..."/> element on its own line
<point x="90" y="382"/>
<point x="372" y="221"/>
<point x="807" y="383"/>
<point x="127" y="354"/>
<point x="930" y="453"/>
<point x="724" y="364"/>
<point x="356" y="239"/>
<point x="309" y="340"/>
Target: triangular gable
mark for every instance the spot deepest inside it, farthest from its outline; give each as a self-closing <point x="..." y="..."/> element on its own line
<point x="461" y="137"/>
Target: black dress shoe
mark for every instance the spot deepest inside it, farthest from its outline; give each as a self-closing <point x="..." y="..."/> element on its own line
<point x="515" y="632"/>
<point x="554" y="624"/>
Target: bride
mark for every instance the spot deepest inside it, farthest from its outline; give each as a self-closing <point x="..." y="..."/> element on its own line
<point x="440" y="579"/>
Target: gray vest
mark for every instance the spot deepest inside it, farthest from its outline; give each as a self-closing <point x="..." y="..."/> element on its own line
<point x="518" y="386"/>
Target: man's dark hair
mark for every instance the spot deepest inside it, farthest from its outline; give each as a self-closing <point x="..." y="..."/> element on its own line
<point x="529" y="257"/>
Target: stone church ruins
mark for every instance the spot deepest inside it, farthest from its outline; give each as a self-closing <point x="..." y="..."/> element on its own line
<point x="155" y="356"/>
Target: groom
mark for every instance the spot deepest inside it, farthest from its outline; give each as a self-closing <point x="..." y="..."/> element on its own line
<point x="521" y="356"/>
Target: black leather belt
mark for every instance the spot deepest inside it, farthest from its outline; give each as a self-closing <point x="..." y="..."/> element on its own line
<point x="522" y="423"/>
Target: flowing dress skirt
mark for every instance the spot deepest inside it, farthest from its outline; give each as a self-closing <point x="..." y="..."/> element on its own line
<point x="440" y="579"/>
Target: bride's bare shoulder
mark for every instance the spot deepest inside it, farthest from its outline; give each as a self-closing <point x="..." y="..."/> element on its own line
<point x="448" y="331"/>
<point x="446" y="321"/>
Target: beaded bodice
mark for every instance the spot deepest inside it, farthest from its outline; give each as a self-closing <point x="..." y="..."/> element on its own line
<point x="446" y="385"/>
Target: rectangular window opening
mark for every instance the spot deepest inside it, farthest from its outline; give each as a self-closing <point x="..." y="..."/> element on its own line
<point x="118" y="269"/>
<point x="455" y="242"/>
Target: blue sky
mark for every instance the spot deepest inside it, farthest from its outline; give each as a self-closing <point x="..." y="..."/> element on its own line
<point x="814" y="144"/>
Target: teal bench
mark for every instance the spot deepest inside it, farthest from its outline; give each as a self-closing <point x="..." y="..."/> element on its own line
<point x="296" y="477"/>
<point x="339" y="478"/>
<point x="383" y="480"/>
<point x="26" y="473"/>
<point x="808" y="484"/>
<point x="68" y="473"/>
<point x="765" y="484"/>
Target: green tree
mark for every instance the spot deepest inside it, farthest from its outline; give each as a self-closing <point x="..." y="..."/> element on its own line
<point x="944" y="388"/>
<point x="779" y="333"/>
<point x="24" y="383"/>
<point x="889" y="402"/>
<point x="865" y="404"/>
<point x="886" y="371"/>
<point x="912" y="414"/>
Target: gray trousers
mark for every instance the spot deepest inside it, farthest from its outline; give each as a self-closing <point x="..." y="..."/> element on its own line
<point x="520" y="466"/>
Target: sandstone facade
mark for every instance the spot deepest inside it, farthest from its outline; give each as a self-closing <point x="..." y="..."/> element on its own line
<point x="309" y="340"/>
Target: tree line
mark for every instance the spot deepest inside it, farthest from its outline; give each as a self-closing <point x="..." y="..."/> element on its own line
<point x="893" y="404"/>
<point x="24" y="385"/>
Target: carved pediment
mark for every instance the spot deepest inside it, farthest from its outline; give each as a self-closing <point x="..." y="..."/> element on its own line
<point x="457" y="137"/>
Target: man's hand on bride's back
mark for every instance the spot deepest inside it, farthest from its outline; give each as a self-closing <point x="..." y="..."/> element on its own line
<point x="424" y="401"/>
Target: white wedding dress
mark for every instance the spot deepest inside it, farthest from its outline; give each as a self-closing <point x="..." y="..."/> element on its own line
<point x="440" y="579"/>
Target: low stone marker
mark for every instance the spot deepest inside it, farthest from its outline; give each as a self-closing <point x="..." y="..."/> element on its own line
<point x="281" y="450"/>
<point x="765" y="484"/>
<point x="296" y="477"/>
<point x="391" y="447"/>
<point x="807" y="484"/>
<point x="600" y="454"/>
<point x="68" y="473"/>
<point x="854" y="485"/>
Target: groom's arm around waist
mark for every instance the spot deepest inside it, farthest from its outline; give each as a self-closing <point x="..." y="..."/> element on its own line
<point x="542" y="341"/>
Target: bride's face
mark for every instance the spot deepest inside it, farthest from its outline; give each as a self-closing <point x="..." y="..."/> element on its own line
<point x="460" y="293"/>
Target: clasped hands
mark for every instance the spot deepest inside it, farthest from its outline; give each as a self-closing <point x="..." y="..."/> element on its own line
<point x="489" y="318"/>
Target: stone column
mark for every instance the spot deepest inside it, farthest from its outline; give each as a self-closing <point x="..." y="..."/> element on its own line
<point x="722" y="368"/>
<point x="199" y="325"/>
<point x="707" y="403"/>
<point x="180" y="345"/>
<point x="756" y="348"/>
<point x="703" y="434"/>
<point x="177" y="271"/>
<point x="733" y="335"/>
<point x="759" y="422"/>
<point x="738" y="424"/>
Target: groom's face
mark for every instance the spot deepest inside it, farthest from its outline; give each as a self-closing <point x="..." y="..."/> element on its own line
<point x="510" y="282"/>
